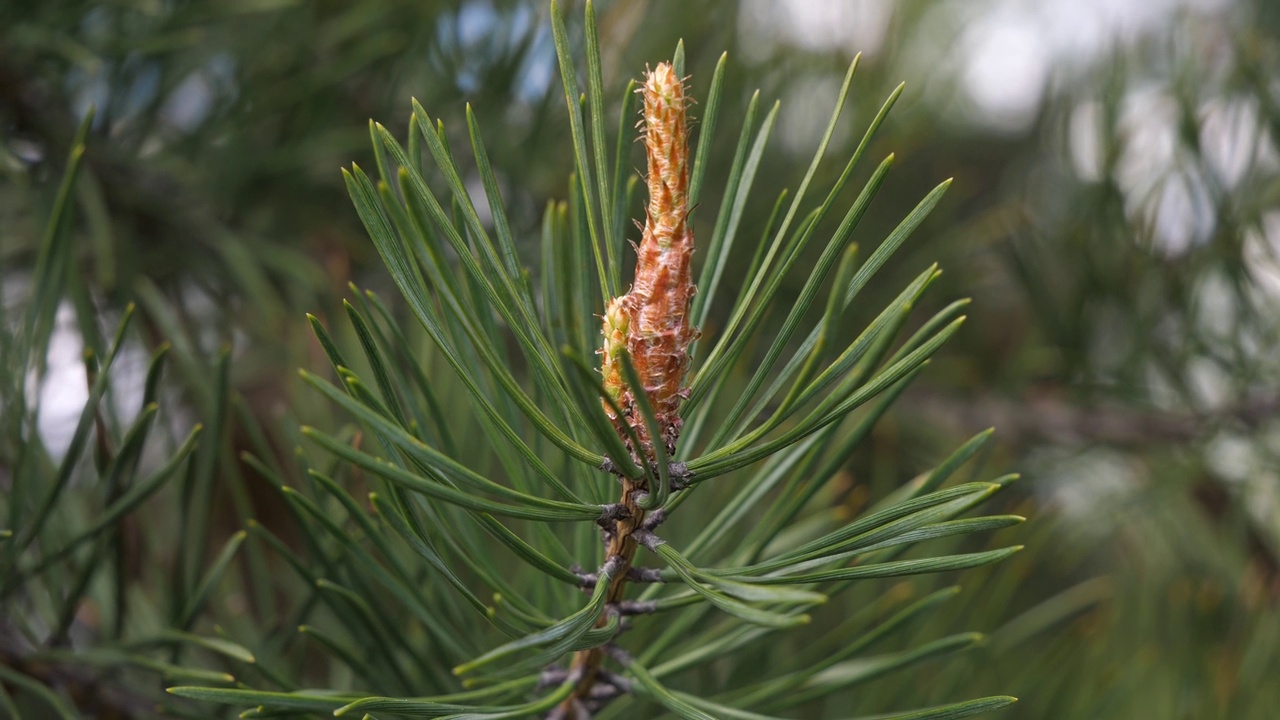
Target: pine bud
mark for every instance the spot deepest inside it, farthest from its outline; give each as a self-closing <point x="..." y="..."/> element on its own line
<point x="652" y="320"/>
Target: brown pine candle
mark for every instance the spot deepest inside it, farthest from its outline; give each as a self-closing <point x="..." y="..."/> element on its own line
<point x="652" y="320"/>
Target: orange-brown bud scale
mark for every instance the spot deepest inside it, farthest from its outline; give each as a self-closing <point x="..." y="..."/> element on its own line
<point x="617" y="326"/>
<point x="652" y="320"/>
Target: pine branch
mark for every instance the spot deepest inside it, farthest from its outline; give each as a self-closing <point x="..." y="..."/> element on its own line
<point x="525" y="423"/>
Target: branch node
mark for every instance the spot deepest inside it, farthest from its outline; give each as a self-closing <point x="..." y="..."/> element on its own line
<point x="612" y="512"/>
<point x="644" y="575"/>
<point x="611" y="565"/>
<point x="635" y="607"/>
<point x="654" y="519"/>
<point x="647" y="539"/>
<point x="586" y="580"/>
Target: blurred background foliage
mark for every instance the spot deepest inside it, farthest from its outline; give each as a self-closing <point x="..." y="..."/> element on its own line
<point x="1115" y="218"/>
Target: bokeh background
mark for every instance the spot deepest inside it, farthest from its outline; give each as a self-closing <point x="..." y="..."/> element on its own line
<point x="1115" y="218"/>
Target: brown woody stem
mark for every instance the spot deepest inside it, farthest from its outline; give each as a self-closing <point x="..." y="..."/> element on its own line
<point x="651" y="325"/>
<point x="620" y="544"/>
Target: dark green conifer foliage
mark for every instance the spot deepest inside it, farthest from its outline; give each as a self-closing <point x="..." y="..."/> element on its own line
<point x="474" y="569"/>
<point x="1119" y="243"/>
